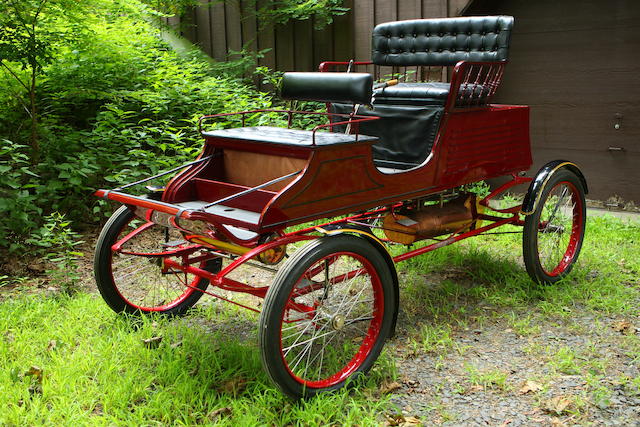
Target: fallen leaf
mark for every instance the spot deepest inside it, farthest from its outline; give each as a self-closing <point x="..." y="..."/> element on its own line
<point x="36" y="372"/>
<point x="411" y="421"/>
<point x="593" y="274"/>
<point x="53" y="344"/>
<point x="176" y="344"/>
<point x="36" y="267"/>
<point x="624" y="327"/>
<point x="530" y="387"/>
<point x="98" y="409"/>
<point x="394" y="419"/>
<point x="153" y="342"/>
<point x="387" y="388"/>
<point x="233" y="385"/>
<point x="36" y="384"/>
<point x="557" y="405"/>
<point x="474" y="388"/>
<point x="219" y="413"/>
<point x="35" y="389"/>
<point x="555" y="422"/>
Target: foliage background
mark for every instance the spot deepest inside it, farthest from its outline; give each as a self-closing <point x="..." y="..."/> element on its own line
<point x="112" y="102"/>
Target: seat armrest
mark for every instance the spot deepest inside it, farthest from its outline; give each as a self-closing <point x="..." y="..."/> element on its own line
<point x="473" y="84"/>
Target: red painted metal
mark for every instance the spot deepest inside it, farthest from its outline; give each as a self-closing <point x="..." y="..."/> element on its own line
<point x="473" y="84"/>
<point x="222" y="282"/>
<point x="328" y="65"/>
<point x="188" y="291"/>
<point x="339" y="179"/>
<point x="576" y="228"/>
<point x="515" y="180"/>
<point x="476" y="141"/>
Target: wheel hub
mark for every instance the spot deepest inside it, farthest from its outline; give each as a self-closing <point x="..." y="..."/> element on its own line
<point x="337" y="322"/>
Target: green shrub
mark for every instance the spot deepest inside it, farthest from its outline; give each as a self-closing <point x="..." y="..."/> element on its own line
<point x="115" y="106"/>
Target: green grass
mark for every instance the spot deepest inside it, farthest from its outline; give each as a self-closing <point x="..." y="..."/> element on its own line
<point x="494" y="379"/>
<point x="96" y="369"/>
<point x="489" y="271"/>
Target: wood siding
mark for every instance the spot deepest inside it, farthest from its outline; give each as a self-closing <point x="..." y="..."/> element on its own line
<point x="575" y="63"/>
<point x="224" y="27"/>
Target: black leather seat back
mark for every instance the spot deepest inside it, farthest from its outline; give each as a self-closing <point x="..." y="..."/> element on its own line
<point x="328" y="87"/>
<point x="442" y="42"/>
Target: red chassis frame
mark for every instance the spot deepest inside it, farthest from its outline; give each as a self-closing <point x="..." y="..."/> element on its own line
<point x="246" y="255"/>
<point x="475" y="141"/>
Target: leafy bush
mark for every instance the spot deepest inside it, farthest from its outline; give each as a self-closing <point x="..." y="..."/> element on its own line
<point x="115" y="105"/>
<point x="56" y="241"/>
<point x="283" y="11"/>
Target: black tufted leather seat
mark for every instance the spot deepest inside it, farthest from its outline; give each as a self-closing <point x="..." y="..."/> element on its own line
<point x="442" y="42"/>
<point x="437" y="42"/>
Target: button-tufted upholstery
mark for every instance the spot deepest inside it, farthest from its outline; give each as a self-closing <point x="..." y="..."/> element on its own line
<point x="432" y="93"/>
<point x="442" y="42"/>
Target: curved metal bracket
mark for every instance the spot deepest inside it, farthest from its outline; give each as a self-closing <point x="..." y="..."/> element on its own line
<point x="538" y="184"/>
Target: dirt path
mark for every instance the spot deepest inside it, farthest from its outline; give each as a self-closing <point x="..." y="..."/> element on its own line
<point x="575" y="372"/>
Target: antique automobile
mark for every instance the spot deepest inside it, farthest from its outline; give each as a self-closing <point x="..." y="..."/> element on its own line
<point x="322" y="215"/>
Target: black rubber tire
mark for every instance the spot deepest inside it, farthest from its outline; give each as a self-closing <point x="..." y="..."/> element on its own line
<point x="271" y="317"/>
<point x="106" y="282"/>
<point x="532" y="229"/>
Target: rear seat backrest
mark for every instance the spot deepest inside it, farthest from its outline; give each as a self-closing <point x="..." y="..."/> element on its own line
<point x="442" y="42"/>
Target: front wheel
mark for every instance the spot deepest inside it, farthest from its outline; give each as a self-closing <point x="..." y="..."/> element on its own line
<point x="553" y="233"/>
<point x="326" y="316"/>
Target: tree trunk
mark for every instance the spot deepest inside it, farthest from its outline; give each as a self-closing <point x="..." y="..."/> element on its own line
<point x="35" y="145"/>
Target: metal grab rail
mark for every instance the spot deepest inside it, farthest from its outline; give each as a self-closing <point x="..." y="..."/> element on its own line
<point x="177" y="168"/>
<point x="250" y="190"/>
<point x="354" y="119"/>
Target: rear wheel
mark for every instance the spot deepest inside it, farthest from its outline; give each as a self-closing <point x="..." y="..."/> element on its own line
<point x="132" y="280"/>
<point x="553" y="233"/>
<point x="326" y="316"/>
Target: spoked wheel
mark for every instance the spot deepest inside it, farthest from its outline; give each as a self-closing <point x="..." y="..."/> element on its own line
<point x="553" y="234"/>
<point x="326" y="316"/>
<point x="132" y="279"/>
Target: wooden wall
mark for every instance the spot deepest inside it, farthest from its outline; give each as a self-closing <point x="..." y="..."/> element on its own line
<point x="224" y="27"/>
<point x="575" y="64"/>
